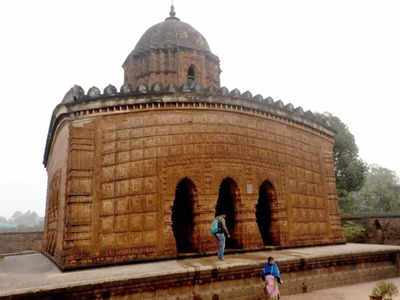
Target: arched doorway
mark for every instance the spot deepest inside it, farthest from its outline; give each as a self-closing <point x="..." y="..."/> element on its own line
<point x="228" y="197"/>
<point x="191" y="74"/>
<point x="182" y="215"/>
<point x="266" y="195"/>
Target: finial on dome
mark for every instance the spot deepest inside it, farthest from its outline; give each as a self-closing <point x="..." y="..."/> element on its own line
<point x="172" y="13"/>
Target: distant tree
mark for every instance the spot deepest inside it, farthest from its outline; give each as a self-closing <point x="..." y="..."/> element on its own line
<point x="380" y="193"/>
<point x="27" y="219"/>
<point x="15" y="216"/>
<point x="350" y="170"/>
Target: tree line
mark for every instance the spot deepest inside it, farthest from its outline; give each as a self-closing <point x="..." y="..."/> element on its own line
<point x="361" y="187"/>
<point x="19" y="221"/>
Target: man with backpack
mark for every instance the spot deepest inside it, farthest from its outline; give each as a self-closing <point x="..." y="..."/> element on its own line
<point x="218" y="228"/>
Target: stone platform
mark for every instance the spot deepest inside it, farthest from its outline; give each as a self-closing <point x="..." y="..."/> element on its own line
<point x="33" y="276"/>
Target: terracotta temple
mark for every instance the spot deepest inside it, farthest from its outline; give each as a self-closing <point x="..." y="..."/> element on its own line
<point x="139" y="174"/>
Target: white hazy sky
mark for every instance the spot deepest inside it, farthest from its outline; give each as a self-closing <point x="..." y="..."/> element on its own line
<point x="338" y="56"/>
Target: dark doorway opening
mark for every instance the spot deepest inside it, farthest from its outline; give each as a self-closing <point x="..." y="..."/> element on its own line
<point x="228" y="197"/>
<point x="182" y="215"/>
<point x="191" y="74"/>
<point x="263" y="211"/>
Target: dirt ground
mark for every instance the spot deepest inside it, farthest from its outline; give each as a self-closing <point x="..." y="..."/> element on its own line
<point x="359" y="291"/>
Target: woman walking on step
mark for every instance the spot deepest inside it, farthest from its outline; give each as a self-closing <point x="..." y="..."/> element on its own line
<point x="271" y="276"/>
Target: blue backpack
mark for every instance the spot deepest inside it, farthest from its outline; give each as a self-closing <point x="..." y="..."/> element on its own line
<point x="215" y="226"/>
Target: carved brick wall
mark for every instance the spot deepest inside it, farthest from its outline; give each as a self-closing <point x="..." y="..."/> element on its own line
<point x="52" y="213"/>
<point x="130" y="207"/>
<point x="144" y="158"/>
<point x="81" y="194"/>
<point x="337" y="234"/>
<point x="123" y="170"/>
<point x="313" y="207"/>
<point x="56" y="194"/>
<point x="171" y="67"/>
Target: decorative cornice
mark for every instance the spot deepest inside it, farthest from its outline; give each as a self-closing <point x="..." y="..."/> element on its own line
<point x="77" y="103"/>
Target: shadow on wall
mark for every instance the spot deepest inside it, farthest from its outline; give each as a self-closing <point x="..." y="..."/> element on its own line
<point x="266" y="196"/>
<point x="182" y="215"/>
<point x="228" y="199"/>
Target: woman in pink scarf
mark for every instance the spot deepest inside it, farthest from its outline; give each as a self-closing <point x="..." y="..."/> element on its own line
<point x="271" y="289"/>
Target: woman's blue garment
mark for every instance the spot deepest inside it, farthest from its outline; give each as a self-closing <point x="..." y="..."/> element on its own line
<point x="271" y="269"/>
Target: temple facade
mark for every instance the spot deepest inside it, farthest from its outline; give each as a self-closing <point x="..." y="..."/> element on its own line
<point x="139" y="174"/>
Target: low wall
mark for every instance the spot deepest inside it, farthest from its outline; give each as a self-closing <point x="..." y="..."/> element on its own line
<point x="238" y="277"/>
<point x="388" y="232"/>
<point x="11" y="242"/>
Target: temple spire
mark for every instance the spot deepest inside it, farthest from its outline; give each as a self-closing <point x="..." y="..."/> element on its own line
<point x="172" y="13"/>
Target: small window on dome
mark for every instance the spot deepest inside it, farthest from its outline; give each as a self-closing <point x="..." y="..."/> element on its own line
<point x="191" y="74"/>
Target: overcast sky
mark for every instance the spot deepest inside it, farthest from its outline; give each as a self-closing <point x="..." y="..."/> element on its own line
<point x="339" y="56"/>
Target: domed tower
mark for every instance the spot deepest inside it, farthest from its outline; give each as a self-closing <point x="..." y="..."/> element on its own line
<point x="172" y="52"/>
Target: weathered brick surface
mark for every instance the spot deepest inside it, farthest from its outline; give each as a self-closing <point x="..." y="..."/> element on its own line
<point x="123" y="169"/>
<point x="11" y="242"/>
<point x="391" y="230"/>
<point x="171" y="67"/>
<point x="56" y="193"/>
<point x="165" y="54"/>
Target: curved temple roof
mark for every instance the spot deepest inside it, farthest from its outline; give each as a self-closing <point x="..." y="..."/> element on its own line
<point x="170" y="34"/>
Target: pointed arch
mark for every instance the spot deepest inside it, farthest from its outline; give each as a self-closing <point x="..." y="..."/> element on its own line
<point x="266" y="196"/>
<point x="228" y="198"/>
<point x="182" y="214"/>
